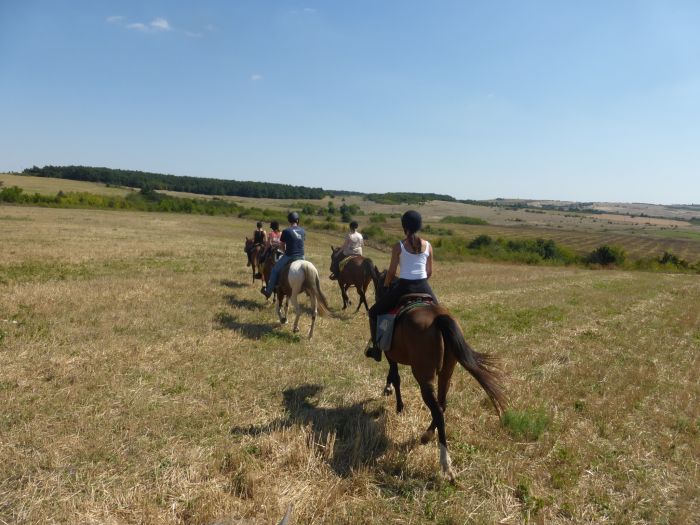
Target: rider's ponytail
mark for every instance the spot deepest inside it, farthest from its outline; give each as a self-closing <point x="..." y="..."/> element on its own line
<point x="411" y="221"/>
<point x="415" y="242"/>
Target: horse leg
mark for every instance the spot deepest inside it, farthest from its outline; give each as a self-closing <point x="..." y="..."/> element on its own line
<point x="346" y="297"/>
<point x="314" y="313"/>
<point x="283" y="319"/>
<point x="343" y="295"/>
<point x="361" y="293"/>
<point x="428" y="393"/>
<point x="297" y="310"/>
<point x="394" y="379"/>
<point x="444" y="378"/>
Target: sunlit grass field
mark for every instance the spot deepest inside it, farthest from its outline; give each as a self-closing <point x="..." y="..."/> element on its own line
<point x="143" y="379"/>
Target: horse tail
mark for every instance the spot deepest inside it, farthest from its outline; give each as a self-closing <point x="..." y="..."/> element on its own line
<point x="370" y="268"/>
<point x="483" y="367"/>
<point x="314" y="285"/>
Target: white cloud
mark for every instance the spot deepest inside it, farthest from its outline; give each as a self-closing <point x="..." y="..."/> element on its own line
<point x="138" y="26"/>
<point x="309" y="10"/>
<point x="160" y="24"/>
<point x="115" y="19"/>
<point x="193" y="34"/>
<point x="256" y="76"/>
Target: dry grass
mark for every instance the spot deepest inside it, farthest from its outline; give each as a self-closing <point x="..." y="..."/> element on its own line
<point x="50" y="186"/>
<point x="144" y="380"/>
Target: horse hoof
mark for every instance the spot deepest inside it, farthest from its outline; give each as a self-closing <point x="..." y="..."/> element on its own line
<point x="388" y="390"/>
<point x="399" y="408"/>
<point x="283" y="320"/>
<point x="296" y="330"/>
<point x="426" y="437"/>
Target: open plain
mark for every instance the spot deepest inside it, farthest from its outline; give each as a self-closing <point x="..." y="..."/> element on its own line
<point x="143" y="379"/>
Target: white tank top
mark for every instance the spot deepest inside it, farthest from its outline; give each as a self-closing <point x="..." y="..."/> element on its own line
<point x="412" y="266"/>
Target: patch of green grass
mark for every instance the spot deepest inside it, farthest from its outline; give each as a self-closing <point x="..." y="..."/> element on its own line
<point x="526" y="424"/>
<point x="531" y="503"/>
<point x="12" y="218"/>
<point x="462" y="219"/>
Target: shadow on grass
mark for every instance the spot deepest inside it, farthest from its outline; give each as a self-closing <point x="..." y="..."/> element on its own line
<point x="360" y="434"/>
<point x="233" y="284"/>
<point x="248" y="304"/>
<point x="256" y="330"/>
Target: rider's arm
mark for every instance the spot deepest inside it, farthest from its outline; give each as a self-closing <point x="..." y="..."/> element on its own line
<point x="429" y="262"/>
<point x="395" y="254"/>
<point x="346" y="243"/>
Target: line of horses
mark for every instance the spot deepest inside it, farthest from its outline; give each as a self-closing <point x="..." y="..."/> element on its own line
<point x="428" y="339"/>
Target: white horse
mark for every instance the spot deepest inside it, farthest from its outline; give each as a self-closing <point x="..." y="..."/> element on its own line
<point x="300" y="276"/>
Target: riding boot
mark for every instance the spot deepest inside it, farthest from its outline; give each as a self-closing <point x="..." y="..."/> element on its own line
<point x="372" y="350"/>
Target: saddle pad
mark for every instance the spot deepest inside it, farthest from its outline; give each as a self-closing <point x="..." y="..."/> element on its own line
<point x="345" y="261"/>
<point x="386" y="322"/>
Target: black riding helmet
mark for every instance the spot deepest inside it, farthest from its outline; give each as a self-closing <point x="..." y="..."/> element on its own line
<point x="274" y="225"/>
<point x="411" y="221"/>
<point x="293" y="217"/>
<point x="259" y="224"/>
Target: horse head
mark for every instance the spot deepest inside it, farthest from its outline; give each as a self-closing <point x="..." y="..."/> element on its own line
<point x="248" y="244"/>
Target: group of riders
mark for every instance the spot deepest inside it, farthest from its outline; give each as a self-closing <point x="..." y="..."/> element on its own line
<point x="411" y="257"/>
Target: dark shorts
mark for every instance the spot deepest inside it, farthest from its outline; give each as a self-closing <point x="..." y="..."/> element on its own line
<point x="401" y="288"/>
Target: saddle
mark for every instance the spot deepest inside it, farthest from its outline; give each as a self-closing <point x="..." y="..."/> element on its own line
<point x="345" y="261"/>
<point x="387" y="322"/>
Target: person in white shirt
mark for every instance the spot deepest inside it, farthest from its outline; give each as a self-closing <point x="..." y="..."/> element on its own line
<point x="352" y="246"/>
<point x="414" y="257"/>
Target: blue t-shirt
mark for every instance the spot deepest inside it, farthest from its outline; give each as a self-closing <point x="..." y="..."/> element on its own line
<point x="293" y="239"/>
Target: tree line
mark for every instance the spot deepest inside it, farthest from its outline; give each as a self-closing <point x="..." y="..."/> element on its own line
<point x="159" y="181"/>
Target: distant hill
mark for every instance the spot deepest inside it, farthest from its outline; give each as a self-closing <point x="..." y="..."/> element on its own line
<point x="159" y="181"/>
<point x="208" y="186"/>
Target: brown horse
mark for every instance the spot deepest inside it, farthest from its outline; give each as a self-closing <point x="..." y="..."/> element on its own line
<point x="357" y="272"/>
<point x="268" y="262"/>
<point x="254" y="250"/>
<point x="430" y="341"/>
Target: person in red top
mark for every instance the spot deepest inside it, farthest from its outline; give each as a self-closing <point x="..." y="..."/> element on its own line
<point x="273" y="241"/>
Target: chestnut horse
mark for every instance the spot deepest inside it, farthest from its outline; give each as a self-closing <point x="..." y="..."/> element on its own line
<point x="296" y="277"/>
<point x="254" y="250"/>
<point x="268" y="262"/>
<point x="430" y="341"/>
<point x="357" y="272"/>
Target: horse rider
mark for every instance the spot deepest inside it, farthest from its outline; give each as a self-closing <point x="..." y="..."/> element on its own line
<point x="273" y="241"/>
<point x="351" y="247"/>
<point x="259" y="237"/>
<point x="293" y="238"/>
<point x="414" y="257"/>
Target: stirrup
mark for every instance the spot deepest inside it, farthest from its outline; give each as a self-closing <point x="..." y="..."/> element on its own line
<point x="374" y="352"/>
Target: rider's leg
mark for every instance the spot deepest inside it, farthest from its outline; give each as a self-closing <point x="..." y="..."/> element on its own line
<point x="274" y="275"/>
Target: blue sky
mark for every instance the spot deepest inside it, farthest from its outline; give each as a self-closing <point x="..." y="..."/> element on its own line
<point x="592" y="100"/>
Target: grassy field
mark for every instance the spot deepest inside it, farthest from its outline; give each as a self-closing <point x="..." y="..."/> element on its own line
<point x="143" y="379"/>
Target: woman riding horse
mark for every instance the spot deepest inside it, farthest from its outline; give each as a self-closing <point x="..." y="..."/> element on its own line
<point x="351" y="247"/>
<point x="414" y="257"/>
<point x="259" y="238"/>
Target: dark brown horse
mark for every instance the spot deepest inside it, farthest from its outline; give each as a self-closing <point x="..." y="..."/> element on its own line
<point x="254" y="250"/>
<point x="269" y="261"/>
<point x="430" y="341"/>
<point x="357" y="272"/>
